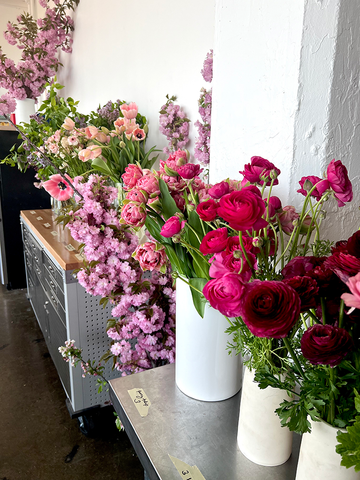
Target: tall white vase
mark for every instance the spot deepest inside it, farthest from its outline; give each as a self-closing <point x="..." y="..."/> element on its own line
<point x="318" y="459"/>
<point x="261" y="438"/>
<point x="24" y="108"/>
<point x="204" y="370"/>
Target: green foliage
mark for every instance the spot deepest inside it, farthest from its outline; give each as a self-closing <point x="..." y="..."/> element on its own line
<point x="349" y="441"/>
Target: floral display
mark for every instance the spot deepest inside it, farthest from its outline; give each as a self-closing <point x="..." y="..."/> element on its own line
<point x="174" y="125"/>
<point x="142" y="330"/>
<point x="39" y="41"/>
<point x="202" y="145"/>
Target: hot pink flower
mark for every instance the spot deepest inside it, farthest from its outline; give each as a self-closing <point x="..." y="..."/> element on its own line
<point x="214" y="241"/>
<point x="151" y="256"/>
<point x="340" y="184"/>
<point x="207" y="210"/>
<point x="134" y="214"/>
<point x="225" y="294"/>
<point x="189" y="171"/>
<point x="260" y="170"/>
<point x="58" y="188"/>
<point x="129" y="111"/>
<point x="172" y="227"/>
<point x="150" y="184"/>
<point x="219" y="190"/>
<point x="131" y="176"/>
<point x="311" y="181"/>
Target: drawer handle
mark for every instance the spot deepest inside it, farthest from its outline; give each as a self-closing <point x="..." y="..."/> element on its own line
<point x="53" y="299"/>
<point x="52" y="284"/>
<point x="50" y="268"/>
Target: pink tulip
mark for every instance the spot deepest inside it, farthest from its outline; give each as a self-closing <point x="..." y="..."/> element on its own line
<point x="58" y="188"/>
<point x="129" y="111"/>
<point x="68" y="124"/>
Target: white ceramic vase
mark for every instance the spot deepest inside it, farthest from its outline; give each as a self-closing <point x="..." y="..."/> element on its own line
<point x="261" y="438"/>
<point x="204" y="370"/>
<point x="318" y="459"/>
<point x="24" y="108"/>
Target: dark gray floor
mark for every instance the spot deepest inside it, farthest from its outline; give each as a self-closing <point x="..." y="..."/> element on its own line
<point x="37" y="434"/>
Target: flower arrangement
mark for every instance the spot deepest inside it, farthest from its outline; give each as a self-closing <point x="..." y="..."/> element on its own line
<point x="39" y="41"/>
<point x="174" y="125"/>
<point x="266" y="268"/>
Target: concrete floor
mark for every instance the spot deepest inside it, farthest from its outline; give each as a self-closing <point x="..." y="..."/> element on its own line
<point x="38" y="439"/>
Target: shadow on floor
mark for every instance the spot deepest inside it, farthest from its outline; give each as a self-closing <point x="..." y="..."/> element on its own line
<point x="38" y="439"/>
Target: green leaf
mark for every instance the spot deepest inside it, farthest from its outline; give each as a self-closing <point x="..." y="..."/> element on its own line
<point x="198" y="298"/>
<point x="349" y="446"/>
<point x="99" y="164"/>
<point x="168" y="203"/>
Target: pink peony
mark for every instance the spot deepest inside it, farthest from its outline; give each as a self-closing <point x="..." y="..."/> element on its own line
<point x="225" y="294"/>
<point x="58" y="188"/>
<point x="134" y="214"/>
<point x="219" y="190"/>
<point x="131" y="176"/>
<point x="151" y="256"/>
<point x="260" y="170"/>
<point x="136" y="195"/>
<point x="339" y="182"/>
<point x="129" y="111"/>
<point x="172" y="227"/>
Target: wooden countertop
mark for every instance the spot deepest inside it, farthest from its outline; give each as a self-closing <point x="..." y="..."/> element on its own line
<point x="56" y="239"/>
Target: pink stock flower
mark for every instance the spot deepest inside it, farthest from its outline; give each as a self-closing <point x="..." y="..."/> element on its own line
<point x="131" y="176"/>
<point x="352" y="299"/>
<point x="172" y="227"/>
<point x="189" y="171"/>
<point x="129" y="111"/>
<point x="58" y="188"/>
<point x="134" y="214"/>
<point x="151" y="256"/>
<point x="225" y="294"/>
<point x="288" y="218"/>
<point x="219" y="190"/>
<point x="339" y="182"/>
<point x="260" y="170"/>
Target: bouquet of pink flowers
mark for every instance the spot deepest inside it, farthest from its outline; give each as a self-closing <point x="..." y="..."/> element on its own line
<point x="265" y="266"/>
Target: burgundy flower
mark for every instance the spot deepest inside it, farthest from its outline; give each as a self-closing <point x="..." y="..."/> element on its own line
<point x="339" y="182"/>
<point x="325" y="344"/>
<point x="259" y="170"/>
<point x="353" y="244"/>
<point x="189" y="171"/>
<point x="274" y="206"/>
<point x="340" y="246"/>
<point x="219" y="190"/>
<point x="307" y="290"/>
<point x="328" y="283"/>
<point x="243" y="209"/>
<point x="214" y="241"/>
<point x="233" y="244"/>
<point x="172" y="227"/>
<point x="225" y="294"/>
<point x="311" y="181"/>
<point x="207" y="210"/>
<point x="269" y="308"/>
<point x="299" y="266"/>
<point x="343" y="265"/>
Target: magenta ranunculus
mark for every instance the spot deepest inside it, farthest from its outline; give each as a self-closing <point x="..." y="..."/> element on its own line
<point x="223" y="263"/>
<point x="172" y="227"/>
<point x="225" y="294"/>
<point x="189" y="170"/>
<point x="307" y="183"/>
<point x="243" y="209"/>
<point x="134" y="214"/>
<point x="299" y="266"/>
<point x="274" y="206"/>
<point x="340" y="184"/>
<point x="214" y="241"/>
<point x="151" y="256"/>
<point x="325" y="344"/>
<point x="260" y="170"/>
<point x="287" y="218"/>
<point x="132" y="174"/>
<point x="219" y="190"/>
<point x="269" y="308"/>
<point x="207" y="211"/>
<point x="307" y="289"/>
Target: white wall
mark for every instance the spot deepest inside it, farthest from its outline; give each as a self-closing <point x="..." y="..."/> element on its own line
<point x="140" y="51"/>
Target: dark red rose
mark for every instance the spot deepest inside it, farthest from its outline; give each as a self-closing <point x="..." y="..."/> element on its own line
<point x="225" y="294"/>
<point x="259" y="171"/>
<point x="207" y="211"/>
<point x="353" y="244"/>
<point x="340" y="184"/>
<point x="270" y="309"/>
<point x="311" y="181"/>
<point x="307" y="290"/>
<point x="343" y="265"/>
<point x="326" y="345"/>
<point x="243" y="209"/>
<point x="214" y="241"/>
<point x="299" y="266"/>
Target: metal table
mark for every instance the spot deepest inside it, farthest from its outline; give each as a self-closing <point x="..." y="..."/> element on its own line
<point x="198" y="433"/>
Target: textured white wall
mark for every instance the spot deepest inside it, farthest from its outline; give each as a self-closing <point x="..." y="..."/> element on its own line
<point x="140" y="51"/>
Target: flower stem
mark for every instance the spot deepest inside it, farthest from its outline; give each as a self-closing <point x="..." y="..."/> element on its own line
<point x="293" y="356"/>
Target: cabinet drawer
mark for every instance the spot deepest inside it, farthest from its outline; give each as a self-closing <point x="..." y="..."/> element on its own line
<point x="54" y="271"/>
<point x="55" y="287"/>
<point x="56" y="303"/>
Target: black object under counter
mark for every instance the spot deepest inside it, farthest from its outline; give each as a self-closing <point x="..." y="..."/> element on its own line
<point x="17" y="192"/>
<point x="198" y="433"/>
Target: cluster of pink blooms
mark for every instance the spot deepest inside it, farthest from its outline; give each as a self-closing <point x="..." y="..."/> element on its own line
<point x="144" y="308"/>
<point x="174" y="125"/>
<point x="39" y="41"/>
<point x="202" y="145"/>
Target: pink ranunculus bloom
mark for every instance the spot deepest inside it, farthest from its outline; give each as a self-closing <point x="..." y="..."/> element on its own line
<point x="339" y="182"/>
<point x="150" y="184"/>
<point x="243" y="209"/>
<point x="134" y="214"/>
<point x="131" y="176"/>
<point x="58" y="188"/>
<point x="189" y="171"/>
<point x="219" y="190"/>
<point x="287" y="218"/>
<point x="129" y="111"/>
<point x="225" y="294"/>
<point x="352" y="299"/>
<point x="214" y="242"/>
<point x="151" y="256"/>
<point x="136" y="195"/>
<point x="68" y="124"/>
<point x="270" y="309"/>
<point x="307" y="183"/>
<point x="91" y="131"/>
<point x="172" y="227"/>
<point x="260" y="170"/>
<point x="138" y="134"/>
<point x="223" y="263"/>
<point x="207" y="210"/>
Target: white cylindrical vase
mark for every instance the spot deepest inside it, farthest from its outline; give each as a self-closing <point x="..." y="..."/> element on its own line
<point x="318" y="458"/>
<point x="24" y="108"/>
<point x="261" y="438"/>
<point x="204" y="369"/>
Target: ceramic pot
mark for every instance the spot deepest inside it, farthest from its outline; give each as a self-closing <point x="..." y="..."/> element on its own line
<point x="204" y="370"/>
<point x="261" y="438"/>
<point x="24" y="108"/>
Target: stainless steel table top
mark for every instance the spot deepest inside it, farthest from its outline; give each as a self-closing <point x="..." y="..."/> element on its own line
<point x="198" y="433"/>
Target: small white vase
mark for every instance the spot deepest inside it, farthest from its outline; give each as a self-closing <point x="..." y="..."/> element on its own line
<point x="318" y="459"/>
<point x="24" y="108"/>
<point x="204" y="370"/>
<point x="261" y="438"/>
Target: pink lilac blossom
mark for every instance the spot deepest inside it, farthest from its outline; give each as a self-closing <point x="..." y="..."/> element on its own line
<point x="174" y="125"/>
<point x="143" y="328"/>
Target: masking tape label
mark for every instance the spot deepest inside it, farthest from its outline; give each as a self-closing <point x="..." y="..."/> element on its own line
<point x="141" y="401"/>
<point x="186" y="471"/>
